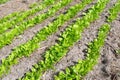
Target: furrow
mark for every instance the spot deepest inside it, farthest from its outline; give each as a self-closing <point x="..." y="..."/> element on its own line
<point x="28" y="34"/>
<point x="108" y="66"/>
<point x="56" y="52"/>
<point x="113" y="12"/>
<point x="7" y="37"/>
<point x="14" y="14"/>
<point x="78" y="51"/>
<point x="19" y="19"/>
<point x="75" y="51"/>
<point x="84" y="66"/>
<point x="27" y="48"/>
<point x="60" y="40"/>
<point x="36" y="55"/>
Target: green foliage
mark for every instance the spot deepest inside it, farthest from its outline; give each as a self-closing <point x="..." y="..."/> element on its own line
<point x="27" y="48"/>
<point x="56" y="52"/>
<point x="7" y="37"/>
<point x="3" y="1"/>
<point x="114" y="12"/>
<point x="19" y="18"/>
<point x="84" y="66"/>
<point x="118" y="51"/>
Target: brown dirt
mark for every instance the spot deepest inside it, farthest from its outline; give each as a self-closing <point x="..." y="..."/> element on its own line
<point x="28" y="34"/>
<point x="78" y="52"/>
<point x="108" y="67"/>
<point x="14" y="6"/>
<point x="19" y="70"/>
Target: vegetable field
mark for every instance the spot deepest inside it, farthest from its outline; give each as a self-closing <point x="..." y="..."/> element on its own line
<point x="59" y="39"/>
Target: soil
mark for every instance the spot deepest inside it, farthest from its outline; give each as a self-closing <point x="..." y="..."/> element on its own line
<point x="108" y="67"/>
<point x="14" y="6"/>
<point x="109" y="62"/>
<point x="29" y="33"/>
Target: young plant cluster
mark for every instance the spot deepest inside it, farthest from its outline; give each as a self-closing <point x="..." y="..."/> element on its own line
<point x="113" y="12"/>
<point x="41" y="6"/>
<point x="19" y="17"/>
<point x="27" y="48"/>
<point x="30" y="46"/>
<point x="8" y="17"/>
<point x="84" y="66"/>
<point x="7" y="37"/>
<point x="118" y="51"/>
<point x="18" y="22"/>
<point x="56" y="52"/>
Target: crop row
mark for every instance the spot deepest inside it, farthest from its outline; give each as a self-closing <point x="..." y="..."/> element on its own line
<point x="15" y="14"/>
<point x="7" y="37"/>
<point x="84" y="66"/>
<point x="31" y="45"/>
<point x="113" y="12"/>
<point x="23" y="15"/>
<point x="56" y="52"/>
<point x="27" y="48"/>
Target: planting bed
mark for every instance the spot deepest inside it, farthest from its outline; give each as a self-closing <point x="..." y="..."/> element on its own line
<point x="60" y="40"/>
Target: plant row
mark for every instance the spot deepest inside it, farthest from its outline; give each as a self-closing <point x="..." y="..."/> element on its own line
<point x="8" y="17"/>
<point x="7" y="37"/>
<point x="23" y="15"/>
<point x="15" y="14"/>
<point x="93" y="53"/>
<point x="113" y="12"/>
<point x="33" y="5"/>
<point x="31" y="45"/>
<point x="84" y="66"/>
<point x="27" y="48"/>
<point x="56" y="52"/>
